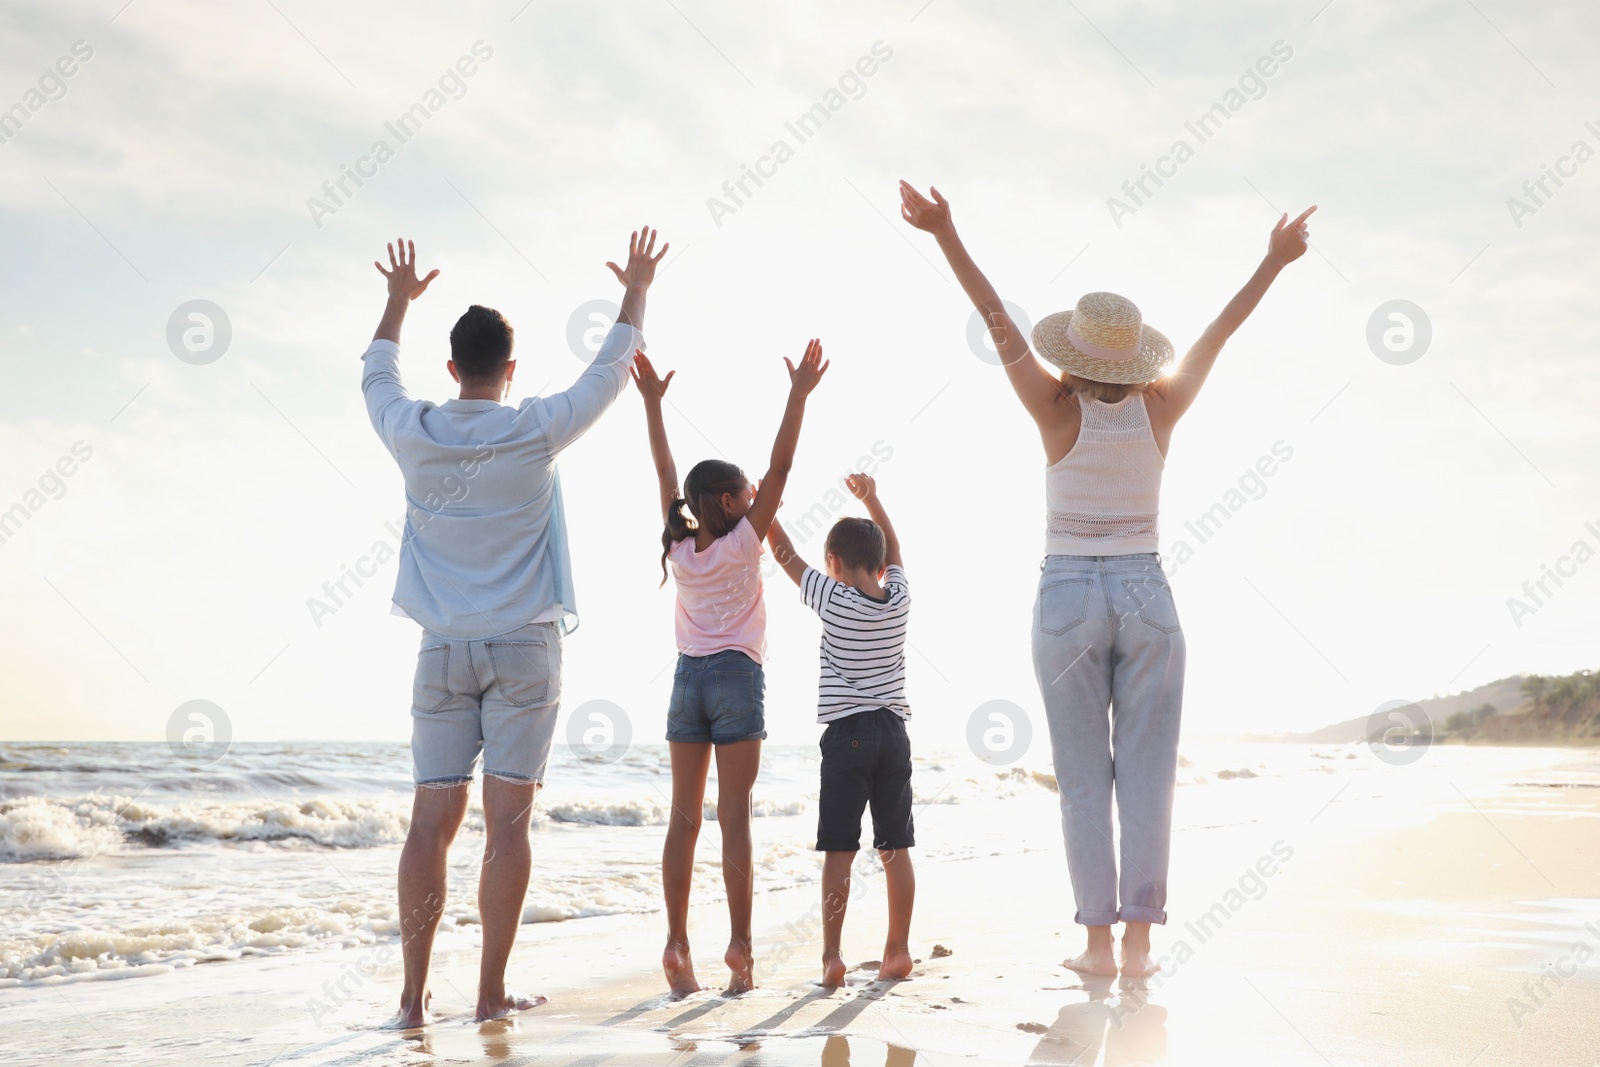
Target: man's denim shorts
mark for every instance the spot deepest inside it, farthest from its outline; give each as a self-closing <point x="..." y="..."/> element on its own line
<point x="720" y="699"/>
<point x="496" y="697"/>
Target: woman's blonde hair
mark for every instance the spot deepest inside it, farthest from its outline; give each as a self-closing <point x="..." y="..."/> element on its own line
<point x="1105" y="392"/>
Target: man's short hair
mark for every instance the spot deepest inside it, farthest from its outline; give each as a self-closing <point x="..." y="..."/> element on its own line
<point x="857" y="543"/>
<point x="480" y="344"/>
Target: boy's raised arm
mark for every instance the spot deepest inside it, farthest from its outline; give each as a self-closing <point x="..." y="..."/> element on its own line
<point x="783" y="551"/>
<point x="802" y="379"/>
<point x="652" y="389"/>
<point x="865" y="489"/>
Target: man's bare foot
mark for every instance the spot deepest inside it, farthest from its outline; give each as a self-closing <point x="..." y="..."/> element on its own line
<point x="895" y="966"/>
<point x="832" y="972"/>
<point x="1136" y="961"/>
<point x="741" y="960"/>
<point x="507" y="1003"/>
<point x="1093" y="961"/>
<point x="413" y="1014"/>
<point x="679" y="967"/>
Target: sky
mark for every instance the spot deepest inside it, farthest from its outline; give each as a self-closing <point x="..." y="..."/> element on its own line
<point x="183" y="501"/>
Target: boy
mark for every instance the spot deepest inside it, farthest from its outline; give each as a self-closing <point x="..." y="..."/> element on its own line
<point x="485" y="569"/>
<point x="863" y="601"/>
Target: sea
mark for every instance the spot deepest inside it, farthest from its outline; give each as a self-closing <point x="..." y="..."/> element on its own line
<point x="122" y="861"/>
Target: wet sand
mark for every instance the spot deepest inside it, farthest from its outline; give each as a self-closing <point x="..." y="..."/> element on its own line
<point x="1398" y="918"/>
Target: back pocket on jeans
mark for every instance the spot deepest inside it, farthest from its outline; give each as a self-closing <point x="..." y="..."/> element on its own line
<point x="1063" y="604"/>
<point x="430" y="691"/>
<point x="524" y="671"/>
<point x="1156" y="606"/>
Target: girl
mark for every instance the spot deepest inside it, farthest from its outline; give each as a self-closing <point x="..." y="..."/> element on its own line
<point x="1105" y="630"/>
<point x="712" y="541"/>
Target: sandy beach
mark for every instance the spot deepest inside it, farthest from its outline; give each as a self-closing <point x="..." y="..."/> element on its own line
<point x="1386" y="915"/>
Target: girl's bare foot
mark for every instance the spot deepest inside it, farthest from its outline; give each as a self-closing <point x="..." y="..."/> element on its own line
<point x="507" y="1003"/>
<point x="741" y="960"/>
<point x="1096" y="961"/>
<point x="895" y="966"/>
<point x="680" y="970"/>
<point x="413" y="1014"/>
<point x="832" y="972"/>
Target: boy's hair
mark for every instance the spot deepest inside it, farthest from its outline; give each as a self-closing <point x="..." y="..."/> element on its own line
<point x="1105" y="392"/>
<point x="858" y="543"/>
<point x="703" y="488"/>
<point x="480" y="343"/>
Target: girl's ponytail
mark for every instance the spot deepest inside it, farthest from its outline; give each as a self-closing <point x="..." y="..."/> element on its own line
<point x="678" y="527"/>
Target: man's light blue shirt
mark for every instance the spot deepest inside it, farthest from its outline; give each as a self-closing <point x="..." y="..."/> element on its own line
<point x="485" y="549"/>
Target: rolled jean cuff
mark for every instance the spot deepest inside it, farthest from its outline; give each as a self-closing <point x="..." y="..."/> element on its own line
<point x="1136" y="914"/>
<point x="1095" y="918"/>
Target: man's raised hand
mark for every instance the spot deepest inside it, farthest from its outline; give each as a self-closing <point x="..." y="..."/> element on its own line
<point x="642" y="260"/>
<point x="402" y="273"/>
<point x="804" y="377"/>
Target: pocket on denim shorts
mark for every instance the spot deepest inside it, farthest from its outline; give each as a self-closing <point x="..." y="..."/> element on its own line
<point x="1156" y="606"/>
<point x="525" y="670"/>
<point x="1063" y="604"/>
<point x="430" y="691"/>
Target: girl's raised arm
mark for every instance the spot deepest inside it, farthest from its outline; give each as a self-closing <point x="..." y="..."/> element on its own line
<point x="652" y="389"/>
<point x="769" y="494"/>
<point x="1036" y="387"/>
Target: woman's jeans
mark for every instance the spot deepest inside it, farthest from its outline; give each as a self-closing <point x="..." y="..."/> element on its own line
<point x="1106" y="635"/>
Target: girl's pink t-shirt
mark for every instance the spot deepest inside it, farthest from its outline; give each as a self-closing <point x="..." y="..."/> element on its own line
<point x="720" y="605"/>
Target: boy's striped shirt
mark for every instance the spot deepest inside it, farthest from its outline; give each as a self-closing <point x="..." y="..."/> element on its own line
<point x="863" y="644"/>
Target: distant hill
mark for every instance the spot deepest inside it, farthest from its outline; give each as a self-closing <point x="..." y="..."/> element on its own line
<point x="1505" y="696"/>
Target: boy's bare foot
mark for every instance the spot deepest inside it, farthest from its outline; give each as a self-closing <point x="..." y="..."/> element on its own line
<point x="895" y="966"/>
<point x="1093" y="961"/>
<point x="1136" y="961"/>
<point x="832" y="972"/>
<point x="507" y="1003"/>
<point x="413" y="1014"/>
<point x="680" y="970"/>
<point x="741" y="960"/>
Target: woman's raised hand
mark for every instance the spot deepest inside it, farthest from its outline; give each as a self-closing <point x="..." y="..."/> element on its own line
<point x="804" y="377"/>
<point x="1289" y="239"/>
<point x="931" y="215"/>
<point x="650" y="386"/>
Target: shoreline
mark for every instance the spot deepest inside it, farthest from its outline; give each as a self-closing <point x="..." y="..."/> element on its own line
<point x="1412" y="907"/>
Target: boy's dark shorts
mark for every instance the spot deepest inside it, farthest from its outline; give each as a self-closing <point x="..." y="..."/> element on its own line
<point x="866" y="761"/>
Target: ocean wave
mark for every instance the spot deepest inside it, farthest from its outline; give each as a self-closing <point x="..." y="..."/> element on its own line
<point x="37" y="828"/>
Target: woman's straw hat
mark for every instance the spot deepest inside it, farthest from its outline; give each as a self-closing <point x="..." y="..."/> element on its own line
<point x="1103" y="339"/>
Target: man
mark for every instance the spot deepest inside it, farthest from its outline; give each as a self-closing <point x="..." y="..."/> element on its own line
<point x="484" y="568"/>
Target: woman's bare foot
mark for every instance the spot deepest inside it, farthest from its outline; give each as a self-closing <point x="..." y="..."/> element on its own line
<point x="413" y="1013"/>
<point x="507" y="1003"/>
<point x="832" y="972"/>
<point x="1096" y="961"/>
<point x="741" y="960"/>
<point x="895" y="966"/>
<point x="680" y="970"/>
<point x="1136" y="961"/>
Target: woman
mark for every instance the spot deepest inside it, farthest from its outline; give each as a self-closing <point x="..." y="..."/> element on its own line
<point x="1105" y="629"/>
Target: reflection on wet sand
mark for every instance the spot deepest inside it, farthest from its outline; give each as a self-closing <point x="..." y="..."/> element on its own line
<point x="1129" y="1029"/>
